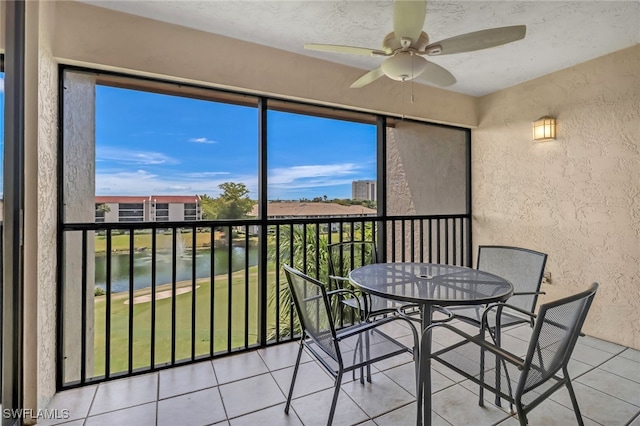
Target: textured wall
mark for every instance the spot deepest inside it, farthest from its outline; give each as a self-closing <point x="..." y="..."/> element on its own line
<point x="576" y="198"/>
<point x="31" y="229"/>
<point x="40" y="208"/>
<point x="79" y="196"/>
<point x="426" y="175"/>
<point x="426" y="167"/>
<point x="47" y="158"/>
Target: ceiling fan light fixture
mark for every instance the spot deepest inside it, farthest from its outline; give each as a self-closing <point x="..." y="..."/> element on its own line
<point x="404" y="66"/>
<point x="406" y="44"/>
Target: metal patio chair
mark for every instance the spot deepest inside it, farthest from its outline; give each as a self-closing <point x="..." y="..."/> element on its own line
<point x="343" y="258"/>
<point x="524" y="269"/>
<point x="524" y="382"/>
<point x="338" y="351"/>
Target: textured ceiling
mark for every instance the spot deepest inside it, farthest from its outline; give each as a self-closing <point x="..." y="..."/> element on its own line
<point x="559" y="33"/>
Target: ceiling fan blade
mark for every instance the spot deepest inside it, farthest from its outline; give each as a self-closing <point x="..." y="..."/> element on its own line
<point x="408" y="19"/>
<point x="476" y="40"/>
<point x="345" y="49"/>
<point x="435" y="74"/>
<point x="369" y="77"/>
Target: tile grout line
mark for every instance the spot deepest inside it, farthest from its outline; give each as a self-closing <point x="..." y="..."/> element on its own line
<point x="86" y="417"/>
<point x="637" y="416"/>
<point x="215" y="376"/>
<point x="158" y="400"/>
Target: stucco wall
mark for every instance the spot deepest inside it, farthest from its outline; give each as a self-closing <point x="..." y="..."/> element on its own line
<point x="426" y="175"/>
<point x="47" y="203"/>
<point x="426" y="169"/>
<point x="40" y="207"/>
<point x="576" y="198"/>
<point x="79" y="197"/>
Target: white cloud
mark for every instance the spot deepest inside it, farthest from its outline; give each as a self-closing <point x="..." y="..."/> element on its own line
<point x="198" y="175"/>
<point x="283" y="182"/>
<point x="142" y="182"/>
<point x="127" y="156"/>
<point x="313" y="175"/>
<point x="202" y="140"/>
<point x="1" y="84"/>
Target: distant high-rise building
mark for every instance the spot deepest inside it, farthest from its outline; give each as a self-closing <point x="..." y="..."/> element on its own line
<point x="364" y="190"/>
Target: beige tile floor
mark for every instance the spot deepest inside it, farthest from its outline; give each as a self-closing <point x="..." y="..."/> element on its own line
<point x="251" y="388"/>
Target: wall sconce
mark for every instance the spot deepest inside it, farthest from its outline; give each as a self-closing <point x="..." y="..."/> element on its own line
<point x="544" y="129"/>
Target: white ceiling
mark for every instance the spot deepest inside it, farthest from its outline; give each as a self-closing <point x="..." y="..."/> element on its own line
<point x="559" y="33"/>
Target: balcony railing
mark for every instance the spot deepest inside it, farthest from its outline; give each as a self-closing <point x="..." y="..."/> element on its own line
<point x="137" y="297"/>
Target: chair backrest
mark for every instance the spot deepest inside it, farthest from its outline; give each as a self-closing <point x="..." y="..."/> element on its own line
<point x="314" y="312"/>
<point x="348" y="255"/>
<point x="554" y="337"/>
<point x="522" y="267"/>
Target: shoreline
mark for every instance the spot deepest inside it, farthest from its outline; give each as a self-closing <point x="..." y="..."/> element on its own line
<point x="168" y="286"/>
<point x="219" y="243"/>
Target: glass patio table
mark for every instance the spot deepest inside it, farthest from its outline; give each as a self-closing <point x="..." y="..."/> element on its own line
<point x="430" y="285"/>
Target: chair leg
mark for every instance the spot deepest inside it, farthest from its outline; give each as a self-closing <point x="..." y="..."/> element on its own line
<point x="498" y="383"/>
<point x="334" y="401"/>
<point x="295" y="374"/>
<point x="522" y="415"/>
<point x="419" y="390"/>
<point x="481" y="390"/>
<point x="356" y="351"/>
<point x="368" y="354"/>
<point x="574" y="401"/>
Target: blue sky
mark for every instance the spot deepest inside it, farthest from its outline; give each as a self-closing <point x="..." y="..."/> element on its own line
<point x="148" y="143"/>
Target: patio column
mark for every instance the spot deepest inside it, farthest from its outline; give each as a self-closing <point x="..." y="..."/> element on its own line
<point x="78" y="181"/>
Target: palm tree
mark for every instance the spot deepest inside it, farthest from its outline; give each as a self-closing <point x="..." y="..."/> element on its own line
<point x="294" y="242"/>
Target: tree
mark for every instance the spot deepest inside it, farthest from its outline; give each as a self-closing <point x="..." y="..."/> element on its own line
<point x="232" y="203"/>
<point x="208" y="207"/>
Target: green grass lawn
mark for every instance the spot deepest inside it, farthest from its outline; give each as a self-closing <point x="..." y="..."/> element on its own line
<point x="228" y="302"/>
<point x="142" y="322"/>
<point x="121" y="242"/>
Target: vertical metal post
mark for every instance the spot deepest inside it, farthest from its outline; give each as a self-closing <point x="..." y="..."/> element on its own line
<point x="212" y="293"/>
<point x="13" y="279"/>
<point x="152" y="355"/>
<point x="262" y="214"/>
<point x="194" y="287"/>
<point x="381" y="153"/>
<point x="469" y="201"/>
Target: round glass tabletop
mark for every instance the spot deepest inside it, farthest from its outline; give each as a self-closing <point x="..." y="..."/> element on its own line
<point x="428" y="284"/>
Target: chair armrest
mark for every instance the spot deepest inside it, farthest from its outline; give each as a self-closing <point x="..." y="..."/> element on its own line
<point x="500" y="307"/>
<point x="337" y="278"/>
<point x="359" y="328"/>
<point x="333" y="293"/>
<point x="351" y="331"/>
<point x="346" y="291"/>
<point x="497" y="350"/>
<point x="528" y="293"/>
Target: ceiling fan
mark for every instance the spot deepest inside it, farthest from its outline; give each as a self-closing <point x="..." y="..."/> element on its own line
<point x="407" y="44"/>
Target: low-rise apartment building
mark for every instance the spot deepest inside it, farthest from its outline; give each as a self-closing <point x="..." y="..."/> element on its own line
<point x="151" y="208"/>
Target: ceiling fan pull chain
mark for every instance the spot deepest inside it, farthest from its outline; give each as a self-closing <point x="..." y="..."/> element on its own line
<point x="412" y="97"/>
<point x="403" y="84"/>
<point x="412" y="77"/>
